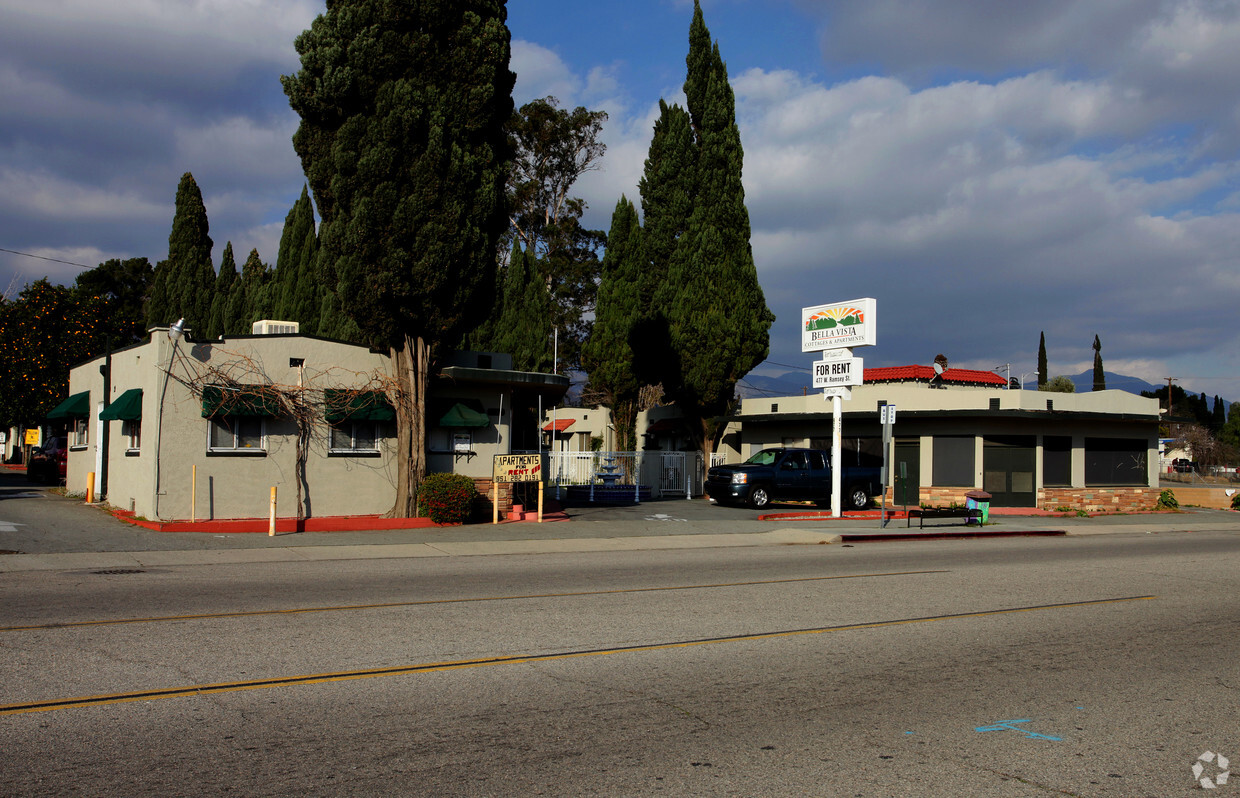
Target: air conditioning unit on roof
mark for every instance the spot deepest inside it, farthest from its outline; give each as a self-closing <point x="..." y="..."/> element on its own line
<point x="271" y="327"/>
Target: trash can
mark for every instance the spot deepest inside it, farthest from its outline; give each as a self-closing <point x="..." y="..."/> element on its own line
<point x="978" y="500"/>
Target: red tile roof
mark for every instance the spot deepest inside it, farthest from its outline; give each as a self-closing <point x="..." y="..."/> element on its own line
<point x="560" y="424"/>
<point x="926" y="373"/>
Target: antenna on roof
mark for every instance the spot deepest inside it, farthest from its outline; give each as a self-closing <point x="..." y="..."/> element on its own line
<point x="940" y="365"/>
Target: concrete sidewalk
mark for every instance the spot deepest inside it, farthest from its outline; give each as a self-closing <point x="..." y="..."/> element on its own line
<point x="651" y="526"/>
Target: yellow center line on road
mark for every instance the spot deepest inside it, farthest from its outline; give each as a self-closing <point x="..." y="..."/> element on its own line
<point x="431" y="667"/>
<point x="427" y="602"/>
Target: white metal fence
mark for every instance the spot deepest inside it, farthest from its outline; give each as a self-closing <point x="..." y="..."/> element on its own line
<point x="667" y="474"/>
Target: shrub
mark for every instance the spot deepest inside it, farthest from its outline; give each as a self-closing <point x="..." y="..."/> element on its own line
<point x="447" y="498"/>
<point x="1235" y="502"/>
<point x="1166" y="501"/>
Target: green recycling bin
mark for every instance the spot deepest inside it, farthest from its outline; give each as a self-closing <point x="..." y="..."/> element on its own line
<point x="978" y="500"/>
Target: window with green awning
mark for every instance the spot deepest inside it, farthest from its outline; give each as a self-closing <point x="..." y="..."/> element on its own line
<point x="342" y="404"/>
<point x="234" y="401"/>
<point x="127" y="407"/>
<point x="76" y="406"/>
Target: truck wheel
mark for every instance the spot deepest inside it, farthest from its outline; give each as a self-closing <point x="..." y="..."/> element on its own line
<point x="759" y="498"/>
<point x="858" y="499"/>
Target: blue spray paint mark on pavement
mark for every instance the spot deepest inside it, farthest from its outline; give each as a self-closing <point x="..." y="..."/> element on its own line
<point x="1005" y="725"/>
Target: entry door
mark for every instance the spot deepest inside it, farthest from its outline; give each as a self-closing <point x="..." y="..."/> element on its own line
<point x="1008" y="466"/>
<point x="906" y="472"/>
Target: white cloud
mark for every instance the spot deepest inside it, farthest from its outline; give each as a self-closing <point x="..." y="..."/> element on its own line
<point x="541" y="73"/>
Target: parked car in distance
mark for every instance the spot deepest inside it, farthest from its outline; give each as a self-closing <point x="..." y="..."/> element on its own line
<point x="790" y="475"/>
<point x="1181" y="465"/>
<point x="49" y="462"/>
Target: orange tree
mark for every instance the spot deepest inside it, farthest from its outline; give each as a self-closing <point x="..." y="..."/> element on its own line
<point x="43" y="333"/>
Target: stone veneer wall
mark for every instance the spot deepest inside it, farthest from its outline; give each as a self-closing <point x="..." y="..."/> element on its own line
<point x="1098" y="499"/>
<point x="1094" y="500"/>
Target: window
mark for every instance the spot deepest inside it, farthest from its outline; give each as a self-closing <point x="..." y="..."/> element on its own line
<point x="236" y="434"/>
<point x="1056" y="461"/>
<point x="953" y="461"/>
<point x="132" y="432"/>
<point x="80" y="435"/>
<point x="1116" y="461"/>
<point x="355" y="436"/>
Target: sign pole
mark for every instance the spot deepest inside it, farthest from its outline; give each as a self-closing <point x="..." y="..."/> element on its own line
<point x="837" y="445"/>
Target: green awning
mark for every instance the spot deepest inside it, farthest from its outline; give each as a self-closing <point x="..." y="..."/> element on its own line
<point x="341" y="405"/>
<point x="76" y="406"/>
<point x="240" y="400"/>
<point x="127" y="407"/>
<point x="462" y="416"/>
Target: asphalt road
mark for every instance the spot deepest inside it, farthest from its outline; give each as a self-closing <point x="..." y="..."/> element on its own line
<point x="1026" y="667"/>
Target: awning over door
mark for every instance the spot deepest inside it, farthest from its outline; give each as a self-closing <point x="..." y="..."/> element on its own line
<point x="76" y="406"/>
<point x="462" y="416"/>
<point x="127" y="407"/>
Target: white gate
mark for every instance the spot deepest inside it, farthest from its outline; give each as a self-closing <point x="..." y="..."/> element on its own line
<point x="666" y="474"/>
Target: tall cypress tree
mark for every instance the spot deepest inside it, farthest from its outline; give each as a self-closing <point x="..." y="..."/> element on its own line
<point x="185" y="283"/>
<point x="225" y="286"/>
<point x="667" y="188"/>
<point x="608" y="355"/>
<point x="297" y="293"/>
<point x="717" y="317"/>
<point x="1100" y="377"/>
<point x="249" y="301"/>
<point x="403" y="107"/>
<point x="1042" y="365"/>
<point x="524" y="329"/>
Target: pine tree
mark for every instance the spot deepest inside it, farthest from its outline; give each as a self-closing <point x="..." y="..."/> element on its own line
<point x="402" y="139"/>
<point x="608" y="355"/>
<point x="1100" y="377"/>
<point x="1218" y="418"/>
<point x="225" y="283"/>
<point x="185" y="282"/>
<point x="1042" y="365"/>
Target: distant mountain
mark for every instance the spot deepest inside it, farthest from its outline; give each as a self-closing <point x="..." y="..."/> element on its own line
<point x="1084" y="382"/>
<point x="795" y="383"/>
<point x="791" y="383"/>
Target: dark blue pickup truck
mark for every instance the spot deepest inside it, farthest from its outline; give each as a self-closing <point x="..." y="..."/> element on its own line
<point x="790" y="475"/>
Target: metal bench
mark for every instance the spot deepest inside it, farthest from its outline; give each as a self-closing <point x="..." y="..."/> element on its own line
<point x="969" y="514"/>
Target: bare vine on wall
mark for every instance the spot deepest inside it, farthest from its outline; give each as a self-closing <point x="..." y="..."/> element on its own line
<point x="230" y="383"/>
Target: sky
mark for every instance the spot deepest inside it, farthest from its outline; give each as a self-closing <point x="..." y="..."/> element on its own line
<point x="988" y="172"/>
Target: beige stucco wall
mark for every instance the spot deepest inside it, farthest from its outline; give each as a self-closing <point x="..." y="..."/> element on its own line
<point x="158" y="480"/>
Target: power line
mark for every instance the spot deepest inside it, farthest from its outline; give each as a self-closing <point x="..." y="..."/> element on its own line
<point x="41" y="257"/>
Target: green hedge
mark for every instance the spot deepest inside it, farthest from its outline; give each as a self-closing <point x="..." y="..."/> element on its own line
<point x="447" y="498"/>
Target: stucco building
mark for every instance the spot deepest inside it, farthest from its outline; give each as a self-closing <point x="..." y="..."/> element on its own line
<point x="205" y="429"/>
<point x="965" y="430"/>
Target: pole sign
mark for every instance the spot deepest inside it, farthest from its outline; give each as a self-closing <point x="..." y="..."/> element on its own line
<point x="518" y="468"/>
<point x="840" y="325"/>
<point x="836" y="372"/>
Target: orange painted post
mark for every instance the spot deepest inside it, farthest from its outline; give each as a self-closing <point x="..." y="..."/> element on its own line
<point x="90" y="488"/>
<point x="271" y="528"/>
<point x="193" y="494"/>
<point x="540" y="500"/>
<point x="494" y="502"/>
